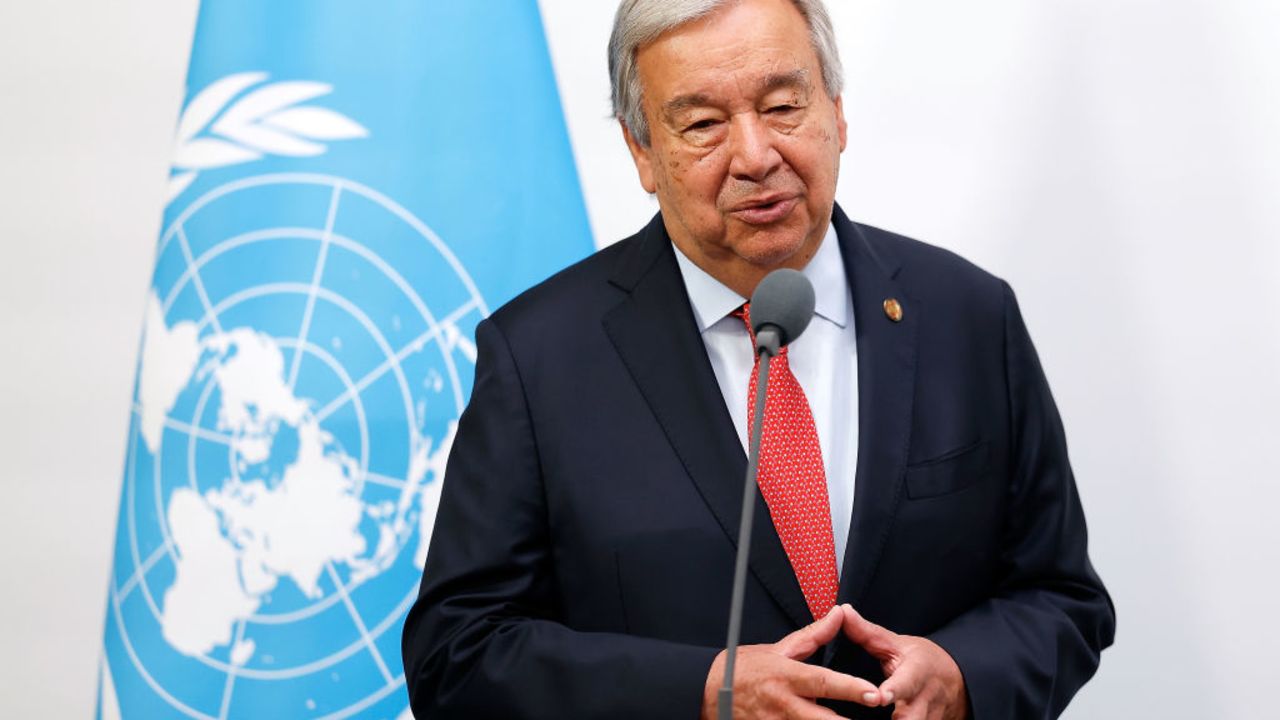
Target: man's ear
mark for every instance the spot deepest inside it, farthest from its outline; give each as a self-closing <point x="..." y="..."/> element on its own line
<point x="643" y="158"/>
<point x="842" y="127"/>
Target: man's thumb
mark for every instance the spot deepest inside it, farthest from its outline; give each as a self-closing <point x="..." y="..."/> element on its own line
<point x="804" y="642"/>
<point x="874" y="639"/>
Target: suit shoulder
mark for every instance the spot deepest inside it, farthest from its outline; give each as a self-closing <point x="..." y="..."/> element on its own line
<point x="565" y="297"/>
<point x="931" y="271"/>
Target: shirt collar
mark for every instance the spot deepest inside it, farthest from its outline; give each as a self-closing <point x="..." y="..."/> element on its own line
<point x="712" y="300"/>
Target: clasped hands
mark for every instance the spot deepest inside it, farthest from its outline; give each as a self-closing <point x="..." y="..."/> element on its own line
<point x="773" y="681"/>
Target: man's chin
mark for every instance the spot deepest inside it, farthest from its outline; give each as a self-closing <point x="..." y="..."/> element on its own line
<point x="774" y="248"/>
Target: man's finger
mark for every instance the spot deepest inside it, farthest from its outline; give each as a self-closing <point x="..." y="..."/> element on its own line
<point x="806" y="641"/>
<point x="874" y="639"/>
<point x="903" y="685"/>
<point x="819" y="682"/>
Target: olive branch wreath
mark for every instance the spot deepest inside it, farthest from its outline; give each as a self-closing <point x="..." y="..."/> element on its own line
<point x="217" y="130"/>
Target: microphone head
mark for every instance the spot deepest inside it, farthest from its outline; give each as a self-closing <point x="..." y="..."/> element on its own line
<point x="783" y="299"/>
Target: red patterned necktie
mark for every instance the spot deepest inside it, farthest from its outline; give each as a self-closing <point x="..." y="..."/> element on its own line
<point x="792" y="479"/>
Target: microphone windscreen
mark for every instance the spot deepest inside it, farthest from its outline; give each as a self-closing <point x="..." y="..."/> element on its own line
<point x="784" y="299"/>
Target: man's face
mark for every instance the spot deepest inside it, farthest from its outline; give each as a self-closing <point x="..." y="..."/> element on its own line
<point x="744" y="141"/>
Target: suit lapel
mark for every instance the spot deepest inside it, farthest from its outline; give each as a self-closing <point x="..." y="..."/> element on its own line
<point x="654" y="332"/>
<point x="886" y="382"/>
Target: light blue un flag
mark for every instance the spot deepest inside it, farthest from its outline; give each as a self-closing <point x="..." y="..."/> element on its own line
<point x="354" y="187"/>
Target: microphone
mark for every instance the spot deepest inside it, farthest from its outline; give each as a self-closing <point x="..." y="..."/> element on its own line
<point x="781" y="308"/>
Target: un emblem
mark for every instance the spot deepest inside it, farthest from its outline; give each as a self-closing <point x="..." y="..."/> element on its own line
<point x="305" y="359"/>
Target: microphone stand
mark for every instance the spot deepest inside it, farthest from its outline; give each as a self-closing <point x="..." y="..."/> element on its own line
<point x="768" y="344"/>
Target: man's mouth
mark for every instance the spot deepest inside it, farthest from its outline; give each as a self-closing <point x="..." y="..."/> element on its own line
<point x="766" y="209"/>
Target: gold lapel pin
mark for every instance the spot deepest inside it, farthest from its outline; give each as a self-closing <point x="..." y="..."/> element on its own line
<point x="893" y="309"/>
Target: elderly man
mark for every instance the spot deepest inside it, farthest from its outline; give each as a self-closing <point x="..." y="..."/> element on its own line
<point x="584" y="545"/>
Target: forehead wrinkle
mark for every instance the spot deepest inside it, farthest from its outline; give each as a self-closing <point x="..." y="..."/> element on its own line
<point x="793" y="79"/>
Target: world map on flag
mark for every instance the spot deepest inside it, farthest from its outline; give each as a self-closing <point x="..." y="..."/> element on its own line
<point x="287" y="446"/>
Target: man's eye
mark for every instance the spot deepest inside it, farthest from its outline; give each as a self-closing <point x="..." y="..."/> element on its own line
<point x="701" y="125"/>
<point x="782" y="109"/>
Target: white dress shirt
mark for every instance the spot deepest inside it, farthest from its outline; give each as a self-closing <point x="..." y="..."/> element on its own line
<point x="823" y="359"/>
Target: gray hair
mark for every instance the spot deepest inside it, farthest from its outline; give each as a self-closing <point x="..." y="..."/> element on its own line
<point x="641" y="21"/>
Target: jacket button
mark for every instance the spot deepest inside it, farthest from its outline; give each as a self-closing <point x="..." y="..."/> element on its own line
<point x="893" y="310"/>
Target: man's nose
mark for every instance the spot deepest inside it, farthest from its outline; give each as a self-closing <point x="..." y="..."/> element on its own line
<point x="753" y="153"/>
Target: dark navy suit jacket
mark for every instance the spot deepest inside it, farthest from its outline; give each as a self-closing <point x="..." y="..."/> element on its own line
<point x="584" y="546"/>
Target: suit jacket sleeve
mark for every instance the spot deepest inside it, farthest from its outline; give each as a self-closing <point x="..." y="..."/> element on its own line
<point x="483" y="639"/>
<point x="1026" y="650"/>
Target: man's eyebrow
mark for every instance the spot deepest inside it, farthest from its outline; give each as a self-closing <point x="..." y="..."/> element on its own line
<point x="796" y="79"/>
<point x="681" y="103"/>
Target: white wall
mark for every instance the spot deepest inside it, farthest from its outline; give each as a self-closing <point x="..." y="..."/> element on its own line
<point x="1116" y="160"/>
<point x="89" y="94"/>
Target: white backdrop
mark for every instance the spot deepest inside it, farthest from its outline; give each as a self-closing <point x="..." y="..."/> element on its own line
<point x="1117" y="161"/>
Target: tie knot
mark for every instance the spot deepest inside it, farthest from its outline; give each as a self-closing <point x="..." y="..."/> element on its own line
<point x="743" y="313"/>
